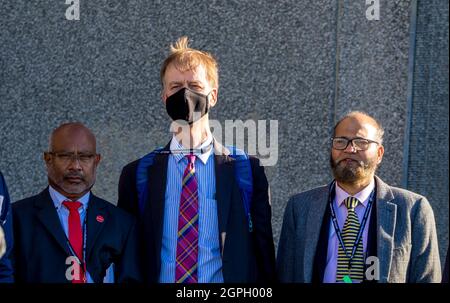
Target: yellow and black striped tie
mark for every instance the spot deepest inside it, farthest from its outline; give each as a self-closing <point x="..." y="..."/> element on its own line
<point x="355" y="269"/>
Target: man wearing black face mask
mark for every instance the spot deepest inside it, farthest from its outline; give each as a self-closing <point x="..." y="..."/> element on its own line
<point x="194" y="225"/>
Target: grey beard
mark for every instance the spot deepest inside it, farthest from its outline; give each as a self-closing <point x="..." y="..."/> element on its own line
<point x="352" y="174"/>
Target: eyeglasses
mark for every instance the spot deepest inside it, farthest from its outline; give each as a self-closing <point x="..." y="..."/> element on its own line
<point x="341" y="143"/>
<point x="83" y="158"/>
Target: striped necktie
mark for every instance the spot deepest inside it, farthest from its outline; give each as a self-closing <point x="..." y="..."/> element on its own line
<point x="353" y="268"/>
<point x="187" y="243"/>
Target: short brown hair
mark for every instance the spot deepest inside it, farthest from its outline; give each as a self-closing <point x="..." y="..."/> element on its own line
<point x="185" y="58"/>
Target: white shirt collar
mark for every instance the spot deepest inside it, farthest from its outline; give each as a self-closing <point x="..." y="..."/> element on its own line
<point x="58" y="198"/>
<point x="175" y="145"/>
<point x="362" y="196"/>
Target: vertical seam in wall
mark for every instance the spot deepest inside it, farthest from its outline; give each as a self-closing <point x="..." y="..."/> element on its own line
<point x="409" y="92"/>
<point x="336" y="64"/>
<point x="428" y="122"/>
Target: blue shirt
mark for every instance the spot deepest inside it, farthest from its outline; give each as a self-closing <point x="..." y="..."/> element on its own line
<point x="209" y="257"/>
<point x="6" y="268"/>
<point x="63" y="214"/>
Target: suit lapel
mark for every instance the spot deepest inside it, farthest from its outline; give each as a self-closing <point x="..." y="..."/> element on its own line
<point x="96" y="218"/>
<point x="154" y="208"/>
<point x="224" y="173"/>
<point x="313" y="226"/>
<point x="386" y="217"/>
<point x="224" y="178"/>
<point x="49" y="218"/>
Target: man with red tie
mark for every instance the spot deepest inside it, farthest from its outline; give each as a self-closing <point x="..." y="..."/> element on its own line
<point x="66" y="234"/>
<point x="196" y="227"/>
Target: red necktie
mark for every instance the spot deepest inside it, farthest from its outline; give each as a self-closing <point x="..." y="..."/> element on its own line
<point x="76" y="234"/>
<point x="187" y="244"/>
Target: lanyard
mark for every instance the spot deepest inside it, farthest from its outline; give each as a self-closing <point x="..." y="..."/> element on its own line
<point x="82" y="262"/>
<point x="331" y="194"/>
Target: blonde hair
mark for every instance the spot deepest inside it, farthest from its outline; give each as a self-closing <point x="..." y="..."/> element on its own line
<point x="185" y="59"/>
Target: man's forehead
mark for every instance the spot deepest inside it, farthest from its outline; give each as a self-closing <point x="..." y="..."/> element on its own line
<point x="73" y="145"/>
<point x="73" y="140"/>
<point x="176" y="74"/>
<point x="357" y="125"/>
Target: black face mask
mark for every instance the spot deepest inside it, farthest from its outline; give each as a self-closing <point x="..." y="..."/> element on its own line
<point x="183" y="104"/>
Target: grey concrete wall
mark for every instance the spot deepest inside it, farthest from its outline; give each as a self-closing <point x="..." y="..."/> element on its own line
<point x="372" y="59"/>
<point x="427" y="148"/>
<point x="303" y="63"/>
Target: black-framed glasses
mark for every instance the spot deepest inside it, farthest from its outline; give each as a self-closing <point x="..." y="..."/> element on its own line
<point x="84" y="158"/>
<point x="341" y="143"/>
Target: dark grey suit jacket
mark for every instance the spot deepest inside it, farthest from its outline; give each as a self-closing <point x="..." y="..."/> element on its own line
<point x="407" y="245"/>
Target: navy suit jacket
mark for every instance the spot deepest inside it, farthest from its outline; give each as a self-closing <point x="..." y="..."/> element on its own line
<point x="246" y="257"/>
<point x="6" y="269"/>
<point x="41" y="246"/>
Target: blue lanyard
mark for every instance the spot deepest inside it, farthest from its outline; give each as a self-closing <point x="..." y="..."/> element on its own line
<point x="336" y="226"/>
<point x="82" y="262"/>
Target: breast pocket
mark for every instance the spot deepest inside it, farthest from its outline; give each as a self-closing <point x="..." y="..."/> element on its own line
<point x="208" y="212"/>
<point x="208" y="220"/>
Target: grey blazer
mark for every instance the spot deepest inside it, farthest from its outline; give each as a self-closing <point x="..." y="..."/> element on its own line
<point x="407" y="245"/>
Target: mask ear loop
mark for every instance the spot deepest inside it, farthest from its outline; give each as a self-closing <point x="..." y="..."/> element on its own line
<point x="207" y="102"/>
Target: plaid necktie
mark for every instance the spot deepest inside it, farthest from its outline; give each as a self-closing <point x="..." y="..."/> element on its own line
<point x="187" y="244"/>
<point x="76" y="234"/>
<point x="355" y="269"/>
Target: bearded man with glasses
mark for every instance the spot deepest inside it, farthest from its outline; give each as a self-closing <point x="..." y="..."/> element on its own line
<point x="358" y="228"/>
<point x="66" y="234"/>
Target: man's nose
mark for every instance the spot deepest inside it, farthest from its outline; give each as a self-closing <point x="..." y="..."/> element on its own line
<point x="75" y="163"/>
<point x="350" y="148"/>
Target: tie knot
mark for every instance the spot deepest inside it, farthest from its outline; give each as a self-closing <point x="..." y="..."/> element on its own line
<point x="191" y="158"/>
<point x="72" y="205"/>
<point x="351" y="202"/>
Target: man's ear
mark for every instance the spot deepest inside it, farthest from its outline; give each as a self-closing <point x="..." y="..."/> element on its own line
<point x="163" y="96"/>
<point x="47" y="157"/>
<point x="213" y="97"/>
<point x="380" y="153"/>
<point x="98" y="158"/>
